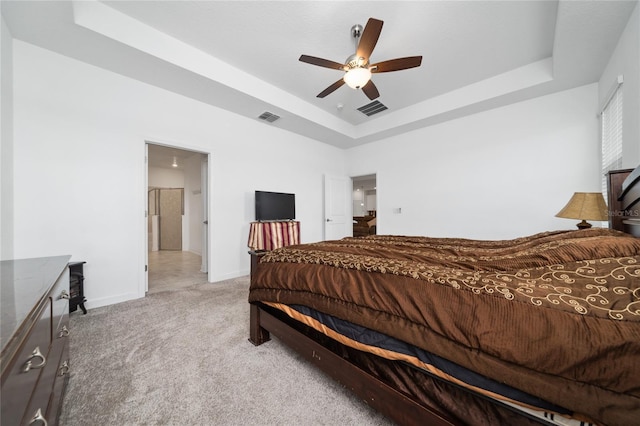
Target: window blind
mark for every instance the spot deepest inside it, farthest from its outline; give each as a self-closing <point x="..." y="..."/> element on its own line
<point x="611" y="135"/>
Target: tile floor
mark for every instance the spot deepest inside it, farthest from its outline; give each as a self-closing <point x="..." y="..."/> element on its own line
<point x="171" y="270"/>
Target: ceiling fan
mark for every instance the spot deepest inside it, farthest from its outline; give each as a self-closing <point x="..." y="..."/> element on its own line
<point x="357" y="68"/>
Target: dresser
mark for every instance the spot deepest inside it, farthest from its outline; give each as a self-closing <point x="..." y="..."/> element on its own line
<point x="35" y="339"/>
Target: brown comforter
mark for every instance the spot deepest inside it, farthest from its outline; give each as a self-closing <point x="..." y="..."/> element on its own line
<point x="556" y="314"/>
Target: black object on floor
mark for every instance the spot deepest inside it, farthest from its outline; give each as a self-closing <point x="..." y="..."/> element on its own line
<point x="76" y="286"/>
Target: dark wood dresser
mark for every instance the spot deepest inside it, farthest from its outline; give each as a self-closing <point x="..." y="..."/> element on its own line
<point x="34" y="337"/>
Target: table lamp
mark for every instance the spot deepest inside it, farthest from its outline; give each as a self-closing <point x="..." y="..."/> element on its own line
<point x="585" y="206"/>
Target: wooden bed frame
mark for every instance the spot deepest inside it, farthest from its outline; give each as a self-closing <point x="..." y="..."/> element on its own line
<point x="388" y="401"/>
<point x="394" y="404"/>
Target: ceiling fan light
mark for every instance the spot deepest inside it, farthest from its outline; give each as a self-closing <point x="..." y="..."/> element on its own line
<point x="357" y="77"/>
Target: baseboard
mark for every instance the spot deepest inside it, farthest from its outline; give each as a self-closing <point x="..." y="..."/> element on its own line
<point x="111" y="300"/>
<point x="231" y="275"/>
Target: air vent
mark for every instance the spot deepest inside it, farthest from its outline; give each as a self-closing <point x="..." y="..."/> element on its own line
<point x="267" y="116"/>
<point x="372" y="108"/>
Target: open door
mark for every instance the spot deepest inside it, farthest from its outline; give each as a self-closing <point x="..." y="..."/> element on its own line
<point x="337" y="207"/>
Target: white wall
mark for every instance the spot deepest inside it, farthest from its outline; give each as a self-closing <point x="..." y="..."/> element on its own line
<point x="625" y="61"/>
<point x="160" y="177"/>
<point x="6" y="145"/>
<point x="78" y="184"/>
<point x="499" y="174"/>
<point x="80" y="135"/>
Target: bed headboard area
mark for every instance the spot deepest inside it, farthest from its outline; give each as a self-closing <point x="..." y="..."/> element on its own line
<point x="624" y="200"/>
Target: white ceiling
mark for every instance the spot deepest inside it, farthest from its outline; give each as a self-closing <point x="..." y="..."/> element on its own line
<point x="243" y="55"/>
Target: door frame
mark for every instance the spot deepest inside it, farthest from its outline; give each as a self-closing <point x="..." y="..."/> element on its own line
<point x="206" y="206"/>
<point x="145" y="244"/>
<point x="204" y="187"/>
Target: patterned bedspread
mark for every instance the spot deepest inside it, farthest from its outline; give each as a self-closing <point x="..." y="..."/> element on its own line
<point x="555" y="314"/>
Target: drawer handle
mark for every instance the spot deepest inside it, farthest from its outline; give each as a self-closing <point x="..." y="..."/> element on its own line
<point x="38" y="417"/>
<point x="64" y="369"/>
<point x="64" y="295"/>
<point x="64" y="332"/>
<point x="29" y="364"/>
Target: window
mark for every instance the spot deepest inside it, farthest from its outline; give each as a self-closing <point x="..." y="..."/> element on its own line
<point x="612" y="133"/>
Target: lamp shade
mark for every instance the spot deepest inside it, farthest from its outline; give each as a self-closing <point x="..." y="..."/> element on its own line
<point x="357" y="77"/>
<point x="585" y="206"/>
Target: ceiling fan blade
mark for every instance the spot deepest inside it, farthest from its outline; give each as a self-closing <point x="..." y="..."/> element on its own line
<point x="369" y="38"/>
<point x="370" y="90"/>
<point x="321" y="62"/>
<point x="397" y="64"/>
<point x="331" y="88"/>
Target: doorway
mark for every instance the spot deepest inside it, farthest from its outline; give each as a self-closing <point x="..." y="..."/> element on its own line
<point x="364" y="198"/>
<point x="177" y="213"/>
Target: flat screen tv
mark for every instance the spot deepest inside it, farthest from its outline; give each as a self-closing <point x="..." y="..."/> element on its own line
<point x="275" y="206"/>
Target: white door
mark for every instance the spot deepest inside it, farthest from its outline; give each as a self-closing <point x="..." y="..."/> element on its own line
<point x="337" y="207"/>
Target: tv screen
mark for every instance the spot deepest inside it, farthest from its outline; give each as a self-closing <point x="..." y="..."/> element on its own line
<point x="275" y="206"/>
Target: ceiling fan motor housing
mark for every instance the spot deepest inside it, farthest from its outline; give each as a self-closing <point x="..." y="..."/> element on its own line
<point x="354" y="61"/>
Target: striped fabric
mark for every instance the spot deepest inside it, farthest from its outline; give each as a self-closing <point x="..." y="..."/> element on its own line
<point x="273" y="235"/>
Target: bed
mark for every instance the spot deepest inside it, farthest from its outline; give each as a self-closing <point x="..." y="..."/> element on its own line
<point x="540" y="329"/>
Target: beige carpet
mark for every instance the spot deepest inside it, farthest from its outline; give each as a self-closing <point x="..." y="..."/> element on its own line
<point x="182" y="358"/>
